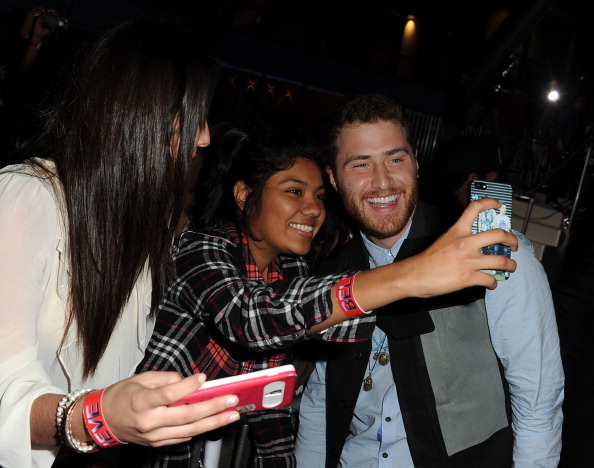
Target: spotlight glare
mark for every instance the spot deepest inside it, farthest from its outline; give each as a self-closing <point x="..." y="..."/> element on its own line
<point x="553" y="95"/>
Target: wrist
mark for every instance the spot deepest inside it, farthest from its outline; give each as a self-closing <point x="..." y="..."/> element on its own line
<point x="67" y="417"/>
<point x="77" y="424"/>
<point x="94" y="420"/>
<point x="345" y="297"/>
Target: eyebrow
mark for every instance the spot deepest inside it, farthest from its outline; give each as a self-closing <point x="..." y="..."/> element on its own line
<point x="364" y="157"/>
<point x="400" y="149"/>
<point x="300" y="182"/>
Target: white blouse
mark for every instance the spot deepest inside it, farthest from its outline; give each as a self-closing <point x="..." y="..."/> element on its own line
<point x="33" y="293"/>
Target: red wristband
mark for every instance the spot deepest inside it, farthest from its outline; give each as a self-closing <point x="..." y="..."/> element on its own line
<point x="346" y="298"/>
<point x="35" y="45"/>
<point x="95" y="421"/>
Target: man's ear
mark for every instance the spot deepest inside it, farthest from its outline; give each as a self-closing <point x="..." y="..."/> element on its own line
<point x="240" y="193"/>
<point x="470" y="177"/>
<point x="331" y="177"/>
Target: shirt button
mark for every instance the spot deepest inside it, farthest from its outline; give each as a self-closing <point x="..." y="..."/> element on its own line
<point x="344" y="404"/>
<point x="388" y="419"/>
<point x="357" y="355"/>
<point x="385" y="455"/>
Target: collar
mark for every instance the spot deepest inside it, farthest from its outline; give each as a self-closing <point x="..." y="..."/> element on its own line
<point x="252" y="271"/>
<point x="378" y="256"/>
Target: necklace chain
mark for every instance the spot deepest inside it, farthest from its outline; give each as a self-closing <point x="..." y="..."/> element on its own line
<point x="380" y="354"/>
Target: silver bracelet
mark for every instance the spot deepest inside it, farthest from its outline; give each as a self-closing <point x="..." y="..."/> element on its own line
<point x="63" y="426"/>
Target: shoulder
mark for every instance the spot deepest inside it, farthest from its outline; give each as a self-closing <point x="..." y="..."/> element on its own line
<point x="525" y="252"/>
<point x="28" y="175"/>
<point x="25" y="188"/>
<point x="528" y="280"/>
<point x="207" y="246"/>
<point x="192" y="239"/>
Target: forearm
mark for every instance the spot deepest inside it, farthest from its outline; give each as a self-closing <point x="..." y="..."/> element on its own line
<point x="43" y="420"/>
<point x="450" y="264"/>
<point x="371" y="289"/>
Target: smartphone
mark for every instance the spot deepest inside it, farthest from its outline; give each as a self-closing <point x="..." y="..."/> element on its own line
<point x="256" y="391"/>
<point x="493" y="218"/>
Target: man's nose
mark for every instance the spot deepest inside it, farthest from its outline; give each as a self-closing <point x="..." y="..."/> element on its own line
<point x="381" y="178"/>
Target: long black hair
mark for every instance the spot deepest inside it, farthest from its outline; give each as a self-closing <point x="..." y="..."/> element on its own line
<point x="122" y="179"/>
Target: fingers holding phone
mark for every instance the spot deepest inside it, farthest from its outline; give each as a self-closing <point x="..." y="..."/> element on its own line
<point x="493" y="218"/>
<point x="137" y="409"/>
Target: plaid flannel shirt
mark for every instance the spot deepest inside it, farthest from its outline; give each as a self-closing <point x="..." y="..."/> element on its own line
<point x="219" y="317"/>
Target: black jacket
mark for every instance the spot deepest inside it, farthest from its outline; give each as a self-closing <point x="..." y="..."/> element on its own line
<point x="410" y="318"/>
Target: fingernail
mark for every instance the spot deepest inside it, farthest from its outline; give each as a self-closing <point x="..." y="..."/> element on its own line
<point x="201" y="378"/>
<point x="234" y="417"/>
<point x="232" y="401"/>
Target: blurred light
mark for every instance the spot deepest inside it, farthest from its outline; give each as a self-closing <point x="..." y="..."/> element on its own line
<point x="410" y="27"/>
<point x="553" y="95"/>
<point x="251" y="85"/>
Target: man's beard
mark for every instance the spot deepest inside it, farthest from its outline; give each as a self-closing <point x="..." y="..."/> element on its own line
<point x="388" y="225"/>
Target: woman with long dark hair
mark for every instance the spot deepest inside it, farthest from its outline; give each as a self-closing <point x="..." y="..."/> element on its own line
<point x="86" y="228"/>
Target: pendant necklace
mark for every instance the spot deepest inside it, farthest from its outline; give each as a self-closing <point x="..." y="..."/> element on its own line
<point x="380" y="354"/>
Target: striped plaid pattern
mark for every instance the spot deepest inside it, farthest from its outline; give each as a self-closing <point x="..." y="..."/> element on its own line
<point x="219" y="317"/>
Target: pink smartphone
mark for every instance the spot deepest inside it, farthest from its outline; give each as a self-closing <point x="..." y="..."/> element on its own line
<point x="258" y="390"/>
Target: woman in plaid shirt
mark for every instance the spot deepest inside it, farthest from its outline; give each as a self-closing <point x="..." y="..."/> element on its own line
<point x="242" y="295"/>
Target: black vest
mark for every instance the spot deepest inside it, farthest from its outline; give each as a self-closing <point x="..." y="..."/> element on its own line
<point x="403" y="322"/>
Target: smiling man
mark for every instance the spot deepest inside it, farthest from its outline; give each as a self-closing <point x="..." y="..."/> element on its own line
<point x="430" y="386"/>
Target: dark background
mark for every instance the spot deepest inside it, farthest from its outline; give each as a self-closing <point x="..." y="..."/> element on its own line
<point x="483" y="63"/>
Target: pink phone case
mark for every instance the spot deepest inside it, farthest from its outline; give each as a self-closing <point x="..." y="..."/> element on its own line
<point x="258" y="390"/>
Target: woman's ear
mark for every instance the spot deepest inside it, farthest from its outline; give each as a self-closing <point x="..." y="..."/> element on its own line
<point x="240" y="193"/>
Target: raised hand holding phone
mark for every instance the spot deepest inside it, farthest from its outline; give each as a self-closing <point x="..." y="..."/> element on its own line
<point x="493" y="218"/>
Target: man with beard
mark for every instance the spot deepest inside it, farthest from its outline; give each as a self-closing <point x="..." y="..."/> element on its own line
<point x="430" y="388"/>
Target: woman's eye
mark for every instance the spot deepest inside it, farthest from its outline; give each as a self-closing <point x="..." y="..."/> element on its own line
<point x="321" y="196"/>
<point x="295" y="191"/>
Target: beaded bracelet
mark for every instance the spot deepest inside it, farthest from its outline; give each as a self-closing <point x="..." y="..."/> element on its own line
<point x="95" y="421"/>
<point x="346" y="299"/>
<point x="63" y="419"/>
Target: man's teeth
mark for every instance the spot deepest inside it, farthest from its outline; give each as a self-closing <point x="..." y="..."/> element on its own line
<point x="388" y="199"/>
<point x="302" y="227"/>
